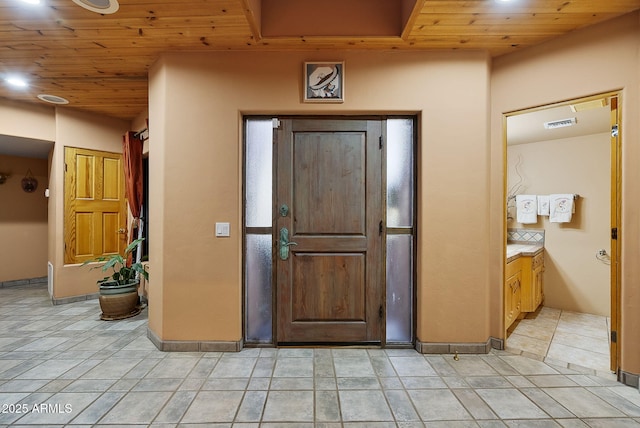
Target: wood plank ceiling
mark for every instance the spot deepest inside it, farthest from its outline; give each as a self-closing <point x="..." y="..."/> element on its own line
<point x="100" y="62"/>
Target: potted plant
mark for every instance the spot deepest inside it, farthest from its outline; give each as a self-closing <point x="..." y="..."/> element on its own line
<point x="119" y="290"/>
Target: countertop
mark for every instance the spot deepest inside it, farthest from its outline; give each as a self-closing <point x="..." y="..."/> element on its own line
<point x="516" y="250"/>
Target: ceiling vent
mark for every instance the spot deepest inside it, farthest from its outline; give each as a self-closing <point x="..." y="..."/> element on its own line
<point x="104" y="7"/>
<point x="53" y="99"/>
<point x="560" y="123"/>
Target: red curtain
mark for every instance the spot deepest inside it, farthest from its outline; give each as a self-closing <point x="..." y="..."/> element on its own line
<point x="132" y="157"/>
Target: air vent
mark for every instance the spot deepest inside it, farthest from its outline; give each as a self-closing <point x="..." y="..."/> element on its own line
<point x="104" y="7"/>
<point x="560" y="123"/>
<point x="53" y="99"/>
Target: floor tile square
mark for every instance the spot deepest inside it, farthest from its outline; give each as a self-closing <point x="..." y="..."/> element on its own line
<point x="363" y="406"/>
<point x="213" y="407"/>
<point x="412" y="366"/>
<point x="583" y="403"/>
<point x="353" y="367"/>
<point x="511" y="404"/>
<point x="137" y="408"/>
<point x="234" y="367"/>
<point x="294" y="367"/>
<point x="289" y="406"/>
<point x="438" y="405"/>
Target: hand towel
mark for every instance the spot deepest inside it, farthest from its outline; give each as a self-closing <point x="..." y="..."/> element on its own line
<point x="560" y="208"/>
<point x="543" y="204"/>
<point x="526" y="209"/>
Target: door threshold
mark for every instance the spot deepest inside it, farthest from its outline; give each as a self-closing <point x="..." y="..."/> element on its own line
<point x="363" y="345"/>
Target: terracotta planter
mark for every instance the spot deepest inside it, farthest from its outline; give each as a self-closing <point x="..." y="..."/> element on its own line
<point x="119" y="301"/>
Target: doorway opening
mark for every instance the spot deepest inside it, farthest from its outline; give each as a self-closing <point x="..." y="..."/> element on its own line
<point x="562" y="195"/>
<point x="329" y="231"/>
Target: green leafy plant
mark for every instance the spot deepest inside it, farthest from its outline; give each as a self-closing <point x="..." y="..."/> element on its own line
<point x="122" y="272"/>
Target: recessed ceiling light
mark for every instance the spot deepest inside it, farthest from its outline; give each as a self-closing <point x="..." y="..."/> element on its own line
<point x="104" y="7"/>
<point x="16" y="82"/>
<point x="53" y="99"/>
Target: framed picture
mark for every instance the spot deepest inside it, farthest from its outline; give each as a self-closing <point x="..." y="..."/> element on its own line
<point x="324" y="82"/>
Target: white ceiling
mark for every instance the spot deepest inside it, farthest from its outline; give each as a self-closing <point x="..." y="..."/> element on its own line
<point x="529" y="127"/>
<point x="24" y="147"/>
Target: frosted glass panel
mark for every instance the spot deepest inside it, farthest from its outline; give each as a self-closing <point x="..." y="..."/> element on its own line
<point x="399" y="288"/>
<point x="399" y="173"/>
<point x="259" y="155"/>
<point x="259" y="303"/>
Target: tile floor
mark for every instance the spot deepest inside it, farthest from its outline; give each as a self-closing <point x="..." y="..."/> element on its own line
<point x="62" y="366"/>
<point x="564" y="338"/>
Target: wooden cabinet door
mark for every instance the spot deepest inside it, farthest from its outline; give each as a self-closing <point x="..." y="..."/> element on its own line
<point x="512" y="295"/>
<point x="536" y="280"/>
<point x="330" y="285"/>
<point x="95" y="213"/>
<point x="512" y="292"/>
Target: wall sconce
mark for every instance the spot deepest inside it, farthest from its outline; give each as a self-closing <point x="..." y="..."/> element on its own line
<point x="29" y="182"/>
<point x="3" y="177"/>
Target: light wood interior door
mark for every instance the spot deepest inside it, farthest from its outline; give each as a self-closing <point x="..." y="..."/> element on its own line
<point x="329" y="231"/>
<point x="95" y="206"/>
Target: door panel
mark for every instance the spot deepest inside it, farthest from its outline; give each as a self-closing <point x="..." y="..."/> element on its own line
<point x="329" y="169"/>
<point x="330" y="288"/>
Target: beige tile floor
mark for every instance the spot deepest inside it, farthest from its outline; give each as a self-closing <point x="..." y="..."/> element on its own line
<point x="564" y="338"/>
<point x="60" y="366"/>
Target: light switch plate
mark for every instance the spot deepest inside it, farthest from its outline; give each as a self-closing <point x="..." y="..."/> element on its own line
<point x="222" y="229"/>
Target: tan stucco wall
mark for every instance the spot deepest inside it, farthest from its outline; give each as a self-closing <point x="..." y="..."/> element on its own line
<point x="23" y="220"/>
<point x="196" y="107"/>
<point x="574" y="279"/>
<point x="591" y="61"/>
<point x="27" y="120"/>
<point x="75" y="129"/>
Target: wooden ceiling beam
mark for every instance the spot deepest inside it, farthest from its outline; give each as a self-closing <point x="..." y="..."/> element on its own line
<point x="418" y="6"/>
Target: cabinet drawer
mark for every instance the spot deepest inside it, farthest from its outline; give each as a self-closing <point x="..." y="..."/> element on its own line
<point x="513" y="267"/>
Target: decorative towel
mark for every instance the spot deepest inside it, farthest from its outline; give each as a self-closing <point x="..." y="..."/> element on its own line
<point x="561" y="208"/>
<point x="527" y="209"/>
<point x="543" y="205"/>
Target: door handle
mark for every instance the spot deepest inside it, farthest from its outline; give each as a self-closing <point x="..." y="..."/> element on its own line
<point x="122" y="231"/>
<point x="285" y="243"/>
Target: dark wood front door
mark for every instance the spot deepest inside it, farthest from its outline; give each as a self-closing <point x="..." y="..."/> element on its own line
<point x="329" y="237"/>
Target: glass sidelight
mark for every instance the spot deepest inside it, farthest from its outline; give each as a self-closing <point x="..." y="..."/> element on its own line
<point x="258" y="261"/>
<point x="400" y="229"/>
<point x="259" y="242"/>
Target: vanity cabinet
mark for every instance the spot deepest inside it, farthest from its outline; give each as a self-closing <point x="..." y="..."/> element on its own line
<point x="513" y="292"/>
<point x="532" y="285"/>
<point x="523" y="288"/>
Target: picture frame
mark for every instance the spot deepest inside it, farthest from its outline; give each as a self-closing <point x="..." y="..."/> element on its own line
<point x="324" y="82"/>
